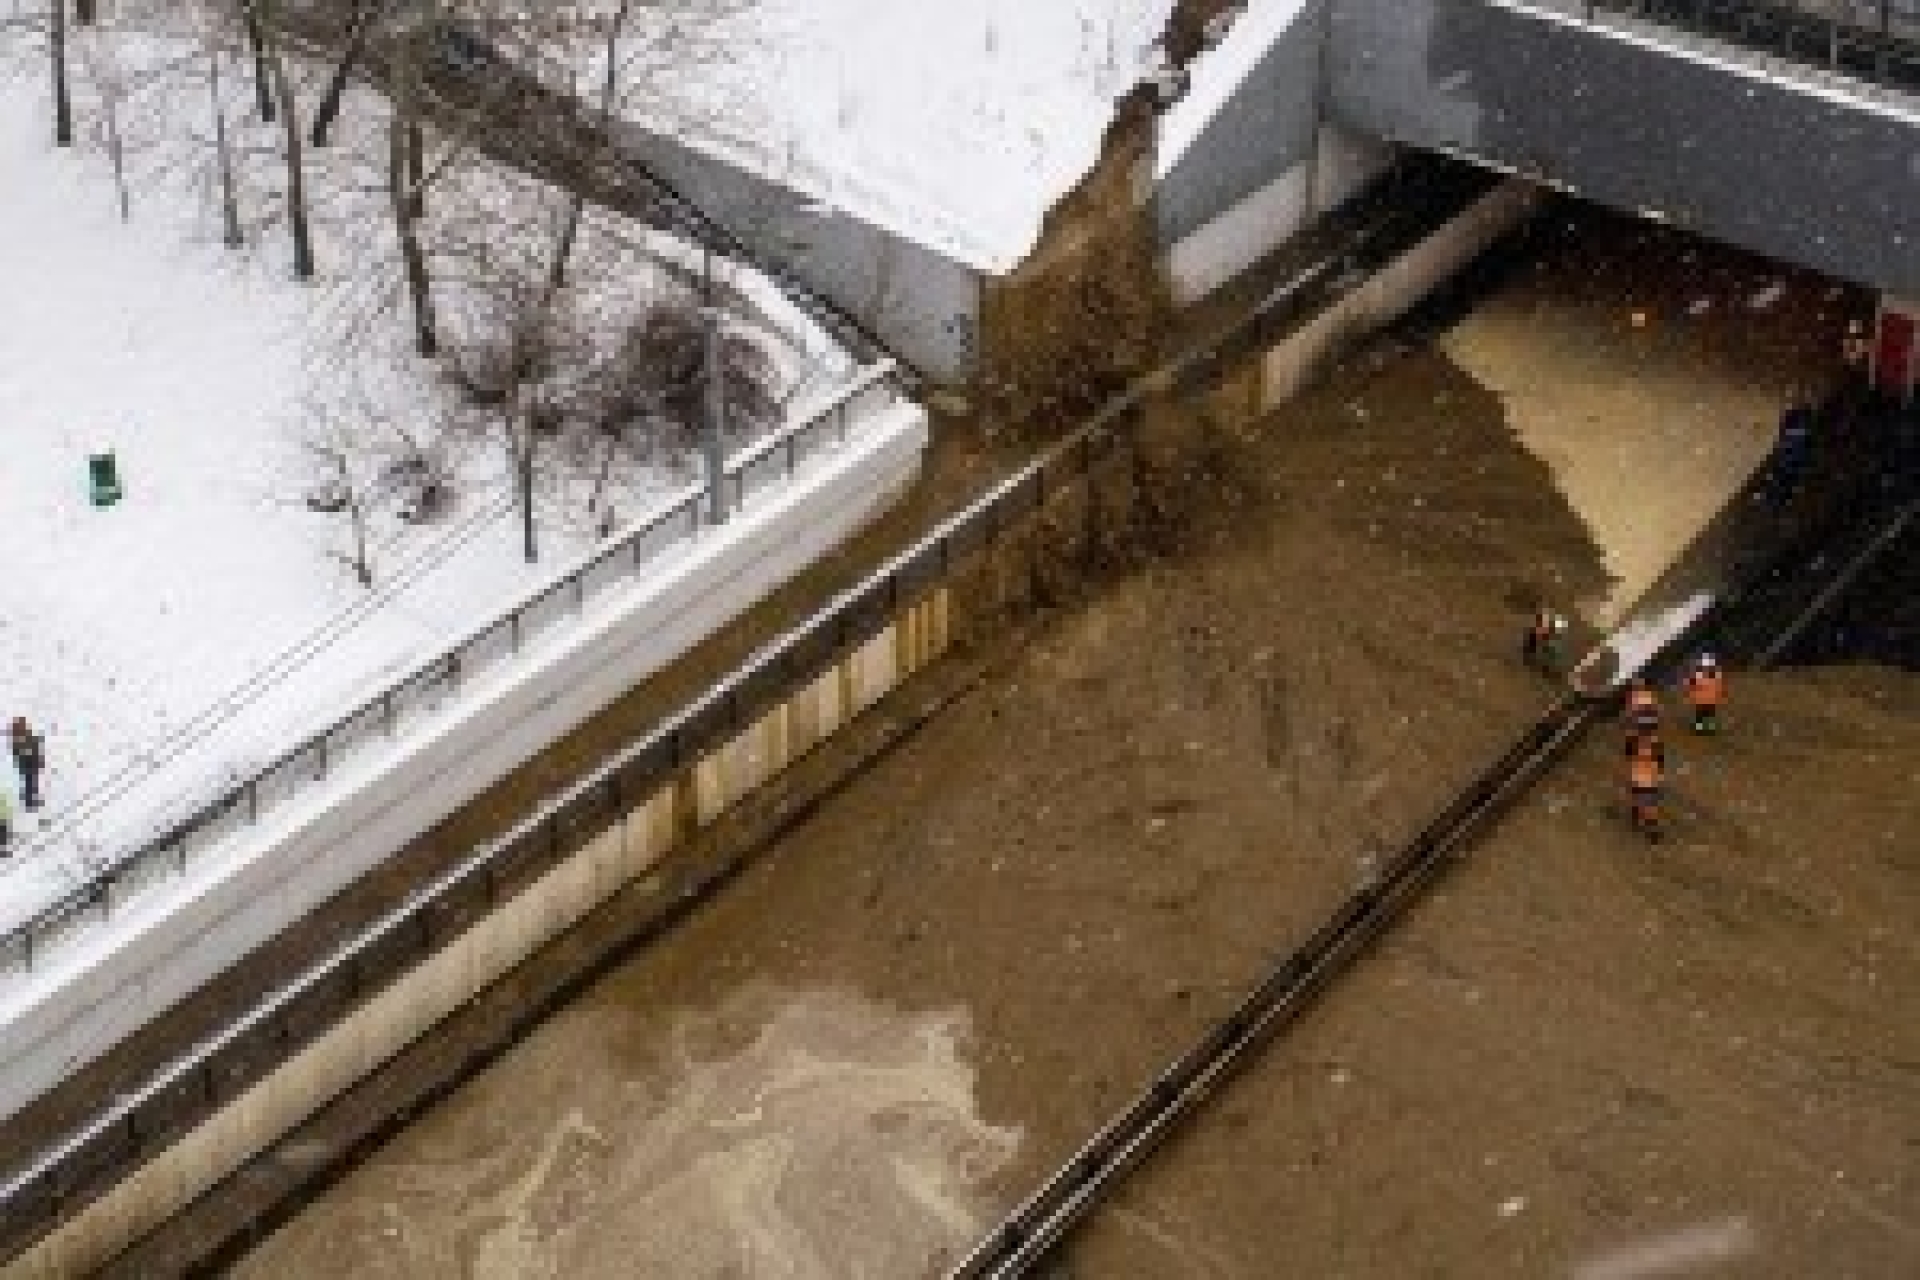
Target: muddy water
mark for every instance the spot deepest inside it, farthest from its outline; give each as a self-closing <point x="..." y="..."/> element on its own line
<point x="791" y="1133"/>
<point x="1648" y="371"/>
<point x="1171" y="781"/>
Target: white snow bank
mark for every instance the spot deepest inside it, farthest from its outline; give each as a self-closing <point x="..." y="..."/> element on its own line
<point x="957" y="125"/>
<point x="1218" y="72"/>
<point x="126" y="631"/>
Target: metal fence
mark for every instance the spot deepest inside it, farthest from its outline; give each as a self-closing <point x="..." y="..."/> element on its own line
<point x="139" y="1123"/>
<point x="429" y="686"/>
<point x="1873" y="40"/>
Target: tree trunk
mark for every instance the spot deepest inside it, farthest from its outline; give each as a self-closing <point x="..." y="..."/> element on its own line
<point x="229" y="203"/>
<point x="416" y="169"/>
<point x="257" y="41"/>
<point x="329" y="108"/>
<point x="563" y="249"/>
<point x="523" y="463"/>
<point x="62" y="95"/>
<point x="609" y="88"/>
<point x="404" y="198"/>
<point x="259" y="21"/>
<point x="117" y="153"/>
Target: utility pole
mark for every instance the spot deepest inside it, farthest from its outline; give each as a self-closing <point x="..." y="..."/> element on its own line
<point x="713" y="437"/>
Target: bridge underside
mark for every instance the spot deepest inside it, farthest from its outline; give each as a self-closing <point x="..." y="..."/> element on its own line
<point x="1823" y="174"/>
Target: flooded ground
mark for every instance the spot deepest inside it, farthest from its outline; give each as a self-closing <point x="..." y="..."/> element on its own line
<point x="1586" y="1054"/>
<point x="1652" y="392"/>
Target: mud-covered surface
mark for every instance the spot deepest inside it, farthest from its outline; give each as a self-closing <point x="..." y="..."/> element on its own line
<point x="1586" y="1056"/>
<point x="1652" y="392"/>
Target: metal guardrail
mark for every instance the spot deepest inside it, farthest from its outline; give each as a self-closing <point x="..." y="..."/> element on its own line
<point x="382" y="718"/>
<point x="137" y="1124"/>
<point x="1877" y="41"/>
<point x="140" y="1122"/>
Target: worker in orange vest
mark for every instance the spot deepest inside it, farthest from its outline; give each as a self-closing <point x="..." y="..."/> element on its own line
<point x="1646" y="774"/>
<point x="1642" y="713"/>
<point x="1706" y="688"/>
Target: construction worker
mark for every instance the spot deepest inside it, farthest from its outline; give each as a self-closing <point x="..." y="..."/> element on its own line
<point x="1646" y="773"/>
<point x="1642" y="714"/>
<point x="1706" y="688"/>
<point x="1546" y="635"/>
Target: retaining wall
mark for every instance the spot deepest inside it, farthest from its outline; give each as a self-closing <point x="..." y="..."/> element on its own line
<point x="500" y="939"/>
<point x="1390" y="292"/>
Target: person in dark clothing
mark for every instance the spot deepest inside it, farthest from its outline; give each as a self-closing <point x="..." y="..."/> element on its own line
<point x="1541" y="648"/>
<point x="1793" y="449"/>
<point x="29" y="758"/>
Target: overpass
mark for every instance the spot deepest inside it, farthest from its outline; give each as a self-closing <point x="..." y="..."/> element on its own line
<point x="1792" y="130"/>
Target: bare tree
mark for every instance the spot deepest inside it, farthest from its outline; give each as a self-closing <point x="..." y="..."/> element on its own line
<point x="270" y="65"/>
<point x="62" y="92"/>
<point x="223" y="154"/>
<point x="112" y="85"/>
<point x="406" y="192"/>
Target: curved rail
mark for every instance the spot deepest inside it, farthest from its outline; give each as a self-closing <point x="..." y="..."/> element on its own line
<point x="1025" y="1236"/>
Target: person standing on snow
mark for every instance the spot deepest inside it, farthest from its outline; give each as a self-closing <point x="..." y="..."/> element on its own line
<point x="30" y="758"/>
<point x="1706" y="688"/>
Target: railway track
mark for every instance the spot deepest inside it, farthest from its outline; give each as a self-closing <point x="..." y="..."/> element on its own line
<point x="1025" y="1236"/>
<point x="1755" y="628"/>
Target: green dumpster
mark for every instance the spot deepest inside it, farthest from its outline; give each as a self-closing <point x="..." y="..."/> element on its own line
<point x="103" y="479"/>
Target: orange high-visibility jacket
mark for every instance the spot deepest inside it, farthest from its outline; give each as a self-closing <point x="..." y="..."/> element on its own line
<point x="1644" y="771"/>
<point x="1706" y="688"/>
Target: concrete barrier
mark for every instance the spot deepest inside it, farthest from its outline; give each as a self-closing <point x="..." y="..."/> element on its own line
<point x="916" y="636"/>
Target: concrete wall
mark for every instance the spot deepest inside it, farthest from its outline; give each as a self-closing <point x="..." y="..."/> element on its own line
<point x="295" y="859"/>
<point x="386" y="1024"/>
<point x="923" y="304"/>
<point x="1817" y="175"/>
<point x="1258" y="168"/>
<point x="1390" y="292"/>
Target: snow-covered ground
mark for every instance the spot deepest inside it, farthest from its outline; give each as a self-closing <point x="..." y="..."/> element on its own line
<point x="957" y="124"/>
<point x="135" y="637"/>
<point x="128" y="631"/>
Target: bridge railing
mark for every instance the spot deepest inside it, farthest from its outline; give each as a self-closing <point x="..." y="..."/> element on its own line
<point x="1877" y="41"/>
<point x="414" y="698"/>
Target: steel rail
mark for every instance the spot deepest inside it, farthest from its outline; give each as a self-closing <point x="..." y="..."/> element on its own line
<point x="1025" y="1236"/>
